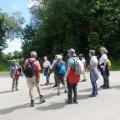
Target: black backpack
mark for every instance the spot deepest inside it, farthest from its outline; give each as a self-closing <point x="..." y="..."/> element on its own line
<point x="30" y="69"/>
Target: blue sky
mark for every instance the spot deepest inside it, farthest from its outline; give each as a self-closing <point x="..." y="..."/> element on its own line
<point x="10" y="6"/>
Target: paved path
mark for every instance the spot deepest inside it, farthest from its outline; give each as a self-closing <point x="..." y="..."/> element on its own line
<point x="15" y="106"/>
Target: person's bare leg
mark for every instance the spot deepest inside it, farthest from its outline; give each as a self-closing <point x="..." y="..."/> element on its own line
<point x="31" y="97"/>
<point x="42" y="100"/>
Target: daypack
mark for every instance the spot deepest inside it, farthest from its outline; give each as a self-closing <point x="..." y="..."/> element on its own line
<point x="78" y="66"/>
<point x="62" y="69"/>
<point x="30" y="69"/>
<point x="108" y="63"/>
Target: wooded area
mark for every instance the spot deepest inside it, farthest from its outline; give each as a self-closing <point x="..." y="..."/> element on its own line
<point x="57" y="25"/>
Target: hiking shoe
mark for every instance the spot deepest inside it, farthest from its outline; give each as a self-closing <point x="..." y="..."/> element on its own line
<point x="42" y="100"/>
<point x="75" y="101"/>
<point x="84" y="80"/>
<point x="32" y="103"/>
<point x="58" y="93"/>
<point x="92" y="95"/>
<point x="54" y="86"/>
<point x="68" y="102"/>
<point x="65" y="91"/>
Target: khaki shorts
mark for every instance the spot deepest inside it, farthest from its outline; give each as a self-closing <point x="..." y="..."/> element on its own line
<point x="31" y="82"/>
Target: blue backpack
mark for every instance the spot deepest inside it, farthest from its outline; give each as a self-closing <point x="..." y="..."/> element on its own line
<point x="62" y="69"/>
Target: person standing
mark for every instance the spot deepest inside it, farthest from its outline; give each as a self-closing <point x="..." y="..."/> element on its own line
<point x="52" y="66"/>
<point x="82" y="58"/>
<point x="72" y="78"/>
<point x="46" y="69"/>
<point x="104" y="69"/>
<point x="32" y="69"/>
<point x="93" y="73"/>
<point x="60" y="70"/>
<point x="15" y="73"/>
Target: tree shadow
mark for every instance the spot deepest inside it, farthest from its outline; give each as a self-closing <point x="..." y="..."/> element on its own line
<point x="3" y="92"/>
<point x="52" y="106"/>
<point x="12" y="109"/>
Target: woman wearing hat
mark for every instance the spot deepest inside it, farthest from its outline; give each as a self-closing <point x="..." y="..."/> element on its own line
<point x="15" y="72"/>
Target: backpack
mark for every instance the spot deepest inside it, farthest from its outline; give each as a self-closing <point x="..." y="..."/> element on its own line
<point x="62" y="69"/>
<point x="78" y="66"/>
<point x="108" y="63"/>
<point x="30" y="69"/>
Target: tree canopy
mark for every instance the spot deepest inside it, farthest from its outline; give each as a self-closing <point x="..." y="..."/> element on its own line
<point x="58" y="25"/>
<point x="10" y="28"/>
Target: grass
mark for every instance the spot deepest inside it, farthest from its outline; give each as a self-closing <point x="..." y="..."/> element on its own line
<point x="4" y="67"/>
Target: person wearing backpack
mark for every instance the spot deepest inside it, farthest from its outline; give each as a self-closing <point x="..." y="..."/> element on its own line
<point x="15" y="73"/>
<point x="60" y="70"/>
<point x="46" y="69"/>
<point x="93" y="72"/>
<point x="72" y="77"/>
<point x="104" y="67"/>
<point x="31" y="70"/>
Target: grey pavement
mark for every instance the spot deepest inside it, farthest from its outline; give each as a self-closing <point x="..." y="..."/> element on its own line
<point x="15" y="105"/>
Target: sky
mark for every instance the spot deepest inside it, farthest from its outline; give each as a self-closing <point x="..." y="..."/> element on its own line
<point x="10" y="6"/>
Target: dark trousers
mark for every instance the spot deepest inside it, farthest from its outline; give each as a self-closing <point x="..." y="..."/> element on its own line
<point x="55" y="78"/>
<point x="72" y="88"/>
<point x="105" y="74"/>
<point x="15" y="83"/>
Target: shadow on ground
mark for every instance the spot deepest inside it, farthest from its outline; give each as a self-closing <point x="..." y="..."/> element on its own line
<point x="4" y="92"/>
<point x="12" y="109"/>
<point x="52" y="106"/>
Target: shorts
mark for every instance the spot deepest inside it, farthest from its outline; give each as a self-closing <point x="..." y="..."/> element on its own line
<point x="60" y="79"/>
<point x="32" y="82"/>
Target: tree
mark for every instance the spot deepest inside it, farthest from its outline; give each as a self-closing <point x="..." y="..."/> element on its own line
<point x="10" y="28"/>
<point x="83" y="25"/>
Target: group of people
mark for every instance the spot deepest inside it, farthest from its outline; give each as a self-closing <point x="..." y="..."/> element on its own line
<point x="70" y="71"/>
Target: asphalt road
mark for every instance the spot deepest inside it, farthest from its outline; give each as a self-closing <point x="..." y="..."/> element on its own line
<point x="15" y="105"/>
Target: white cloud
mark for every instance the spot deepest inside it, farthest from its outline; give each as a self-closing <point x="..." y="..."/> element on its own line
<point x="13" y="46"/>
<point x="31" y="3"/>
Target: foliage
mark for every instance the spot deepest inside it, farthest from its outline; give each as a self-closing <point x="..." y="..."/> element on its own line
<point x="10" y="28"/>
<point x="83" y="25"/>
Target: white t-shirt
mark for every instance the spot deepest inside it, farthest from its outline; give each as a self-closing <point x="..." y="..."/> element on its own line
<point x="46" y="64"/>
<point x="102" y="59"/>
<point x="93" y="61"/>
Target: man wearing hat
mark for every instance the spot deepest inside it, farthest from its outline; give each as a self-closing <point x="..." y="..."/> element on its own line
<point x="72" y="78"/>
